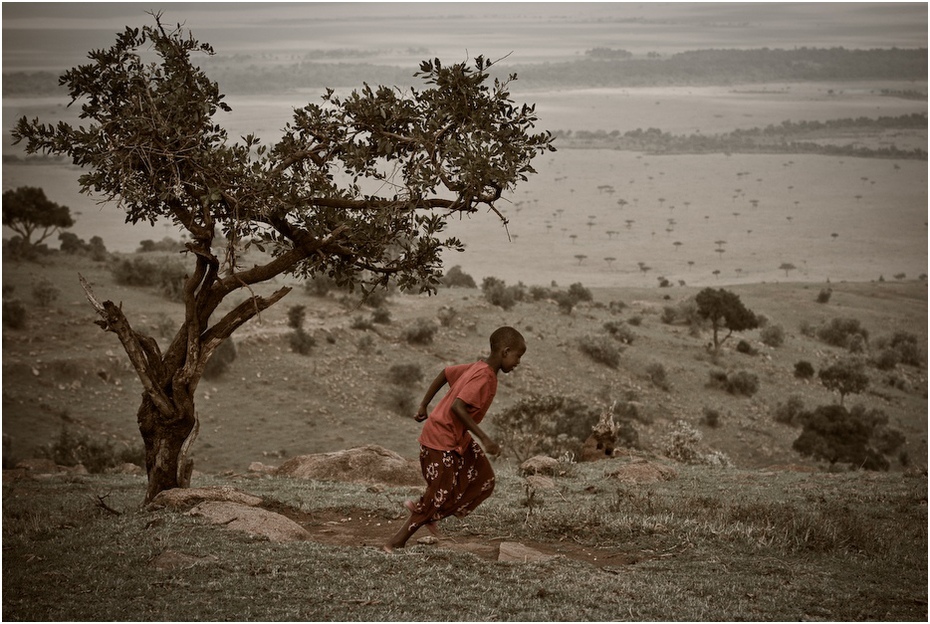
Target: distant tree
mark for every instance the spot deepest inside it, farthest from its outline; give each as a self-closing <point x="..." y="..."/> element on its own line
<point x="846" y="376"/>
<point x="858" y="436"/>
<point x="27" y="211"/>
<point x="150" y="140"/>
<point x="724" y="310"/>
<point x="787" y="266"/>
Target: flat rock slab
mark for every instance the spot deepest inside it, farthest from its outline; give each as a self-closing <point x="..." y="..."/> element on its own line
<point x="515" y="551"/>
<point x="643" y="472"/>
<point x="252" y="520"/>
<point x="185" y="498"/>
<point x="173" y="560"/>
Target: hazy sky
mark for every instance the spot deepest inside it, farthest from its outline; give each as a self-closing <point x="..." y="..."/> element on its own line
<point x="57" y="36"/>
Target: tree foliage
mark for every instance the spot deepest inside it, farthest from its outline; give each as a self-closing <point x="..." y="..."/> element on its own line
<point x="27" y="211"/>
<point x="724" y="310"/>
<point x="358" y="189"/>
<point x="858" y="436"/>
<point x="846" y="376"/>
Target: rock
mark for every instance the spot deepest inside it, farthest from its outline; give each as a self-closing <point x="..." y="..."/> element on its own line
<point x="540" y="464"/>
<point x="39" y="466"/>
<point x="514" y="551"/>
<point x="184" y="498"/>
<point x="371" y="464"/>
<point x="429" y="540"/>
<point x="252" y="520"/>
<point x="262" y="468"/>
<point x="643" y="472"/>
<point x="127" y="468"/>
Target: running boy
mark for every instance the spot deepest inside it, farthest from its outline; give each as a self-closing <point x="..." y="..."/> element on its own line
<point x="457" y="472"/>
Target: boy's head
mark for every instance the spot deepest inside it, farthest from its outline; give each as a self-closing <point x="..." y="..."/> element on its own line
<point x="508" y="345"/>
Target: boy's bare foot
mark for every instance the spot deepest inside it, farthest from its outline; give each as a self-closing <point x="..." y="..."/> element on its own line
<point x="430" y="526"/>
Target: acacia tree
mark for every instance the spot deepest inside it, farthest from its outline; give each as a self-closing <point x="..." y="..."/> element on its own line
<point x="724" y="310"/>
<point x="27" y="211"/>
<point x="152" y="144"/>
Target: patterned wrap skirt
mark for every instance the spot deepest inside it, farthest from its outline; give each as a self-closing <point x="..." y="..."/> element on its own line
<point x="455" y="484"/>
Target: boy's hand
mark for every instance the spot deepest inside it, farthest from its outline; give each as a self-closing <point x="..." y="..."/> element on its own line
<point x="491" y="447"/>
<point x="421" y="414"/>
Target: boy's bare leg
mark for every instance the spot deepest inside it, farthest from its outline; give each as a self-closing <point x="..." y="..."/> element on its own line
<point x="400" y="538"/>
<point x="430" y="526"/>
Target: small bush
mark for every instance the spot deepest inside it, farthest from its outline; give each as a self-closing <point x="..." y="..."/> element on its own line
<point x="658" y="376"/>
<point x="71" y="449"/>
<point x="456" y="278"/>
<point x="599" y="349"/>
<point x="447" y="316"/>
<point x="550" y="425"/>
<point x="295" y="316"/>
<point x="635" y="321"/>
<point x="45" y="292"/>
<point x="824" y="295"/>
<point x="14" y="314"/>
<point x="421" y="332"/>
<point x="620" y="331"/>
<point x="773" y="335"/>
<point x="381" y="316"/>
<point x="301" y="342"/>
<point x="405" y="374"/>
<point x="738" y="383"/>
<point x="710" y="417"/>
<point x="361" y="323"/>
<point x="165" y="274"/>
<point x="365" y="344"/>
<point x="886" y="359"/>
<point x="496" y="292"/>
<point x="906" y="347"/>
<point x="790" y="412"/>
<point x="744" y="347"/>
<point x="803" y="369"/>
<point x="320" y="285"/>
<point x="221" y="359"/>
<point x="839" y="332"/>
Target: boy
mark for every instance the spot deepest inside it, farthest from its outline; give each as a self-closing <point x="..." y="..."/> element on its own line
<point x="458" y="475"/>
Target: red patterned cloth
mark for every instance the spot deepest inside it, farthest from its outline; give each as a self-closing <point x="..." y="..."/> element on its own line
<point x="455" y="483"/>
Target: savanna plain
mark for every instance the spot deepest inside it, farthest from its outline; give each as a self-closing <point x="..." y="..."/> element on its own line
<point x="704" y="511"/>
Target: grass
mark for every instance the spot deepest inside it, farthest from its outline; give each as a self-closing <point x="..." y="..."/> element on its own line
<point x="707" y="545"/>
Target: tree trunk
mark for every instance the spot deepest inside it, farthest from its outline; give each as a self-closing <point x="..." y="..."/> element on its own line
<point x="166" y="444"/>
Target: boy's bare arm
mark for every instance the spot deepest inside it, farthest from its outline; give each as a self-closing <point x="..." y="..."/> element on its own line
<point x="423" y="410"/>
<point x="460" y="409"/>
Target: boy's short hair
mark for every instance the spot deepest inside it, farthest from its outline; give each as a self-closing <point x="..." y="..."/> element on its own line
<point x="504" y="337"/>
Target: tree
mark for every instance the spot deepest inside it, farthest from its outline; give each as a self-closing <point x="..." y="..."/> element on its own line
<point x="724" y="310"/>
<point x="846" y="376"/>
<point x="150" y="142"/>
<point x="858" y="436"/>
<point x="27" y="211"/>
<point x="787" y="266"/>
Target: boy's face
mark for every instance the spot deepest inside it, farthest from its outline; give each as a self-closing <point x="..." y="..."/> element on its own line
<point x="511" y="357"/>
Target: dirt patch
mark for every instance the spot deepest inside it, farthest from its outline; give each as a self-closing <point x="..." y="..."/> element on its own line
<point x="367" y="529"/>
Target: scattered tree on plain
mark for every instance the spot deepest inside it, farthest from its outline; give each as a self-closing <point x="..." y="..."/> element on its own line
<point x="150" y="142"/>
<point x="846" y="377"/>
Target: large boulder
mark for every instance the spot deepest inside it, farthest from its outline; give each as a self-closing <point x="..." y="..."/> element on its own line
<point x="371" y="464"/>
<point x="252" y="520"/>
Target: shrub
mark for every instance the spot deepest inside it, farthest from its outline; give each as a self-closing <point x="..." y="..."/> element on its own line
<point x="14" y="314"/>
<point x="738" y="383"/>
<point x="743" y="346"/>
<point x="455" y="277"/>
<point x="421" y="332"/>
<point x="620" y="331"/>
<point x="400" y="401"/>
<point x="710" y="417"/>
<point x="789" y="413"/>
<point x="296" y="315"/>
<point x="71" y="449"/>
<point x="579" y="293"/>
<point x="858" y="437"/>
<point x="361" y="323"/>
<point x="221" y="359"/>
<point x="824" y="295"/>
<point x="381" y="316"/>
<point x="405" y="374"/>
<point x="839" y="332"/>
<point x="496" y="292"/>
<point x="635" y="321"/>
<point x="773" y="335"/>
<point x="550" y="425"/>
<point x="301" y="342"/>
<point x="166" y="275"/>
<point x="906" y="347"/>
<point x="365" y="344"/>
<point x="886" y="359"/>
<point x="447" y="316"/>
<point x="599" y="349"/>
<point x="846" y="377"/>
<point x="803" y="369"/>
<point x="657" y="375"/>
<point x="320" y="285"/>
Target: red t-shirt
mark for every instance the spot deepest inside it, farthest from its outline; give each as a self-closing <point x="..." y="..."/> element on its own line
<point x="476" y="385"/>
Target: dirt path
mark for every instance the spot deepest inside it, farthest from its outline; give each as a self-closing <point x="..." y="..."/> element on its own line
<point x="365" y="529"/>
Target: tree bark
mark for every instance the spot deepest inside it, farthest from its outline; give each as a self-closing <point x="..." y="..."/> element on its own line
<point x="166" y="463"/>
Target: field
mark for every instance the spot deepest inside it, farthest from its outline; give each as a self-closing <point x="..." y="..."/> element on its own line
<point x="743" y="527"/>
